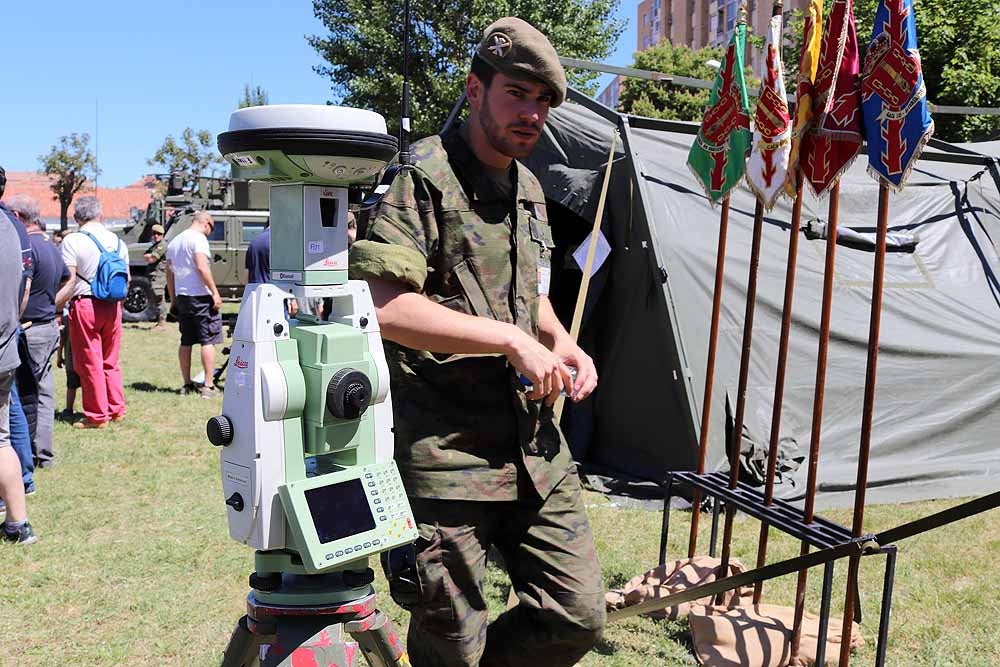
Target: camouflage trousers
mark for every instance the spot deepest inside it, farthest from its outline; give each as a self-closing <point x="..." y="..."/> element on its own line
<point x="549" y="553"/>
<point x="158" y="279"/>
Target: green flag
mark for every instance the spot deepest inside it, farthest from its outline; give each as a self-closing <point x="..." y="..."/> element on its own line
<point x="718" y="155"/>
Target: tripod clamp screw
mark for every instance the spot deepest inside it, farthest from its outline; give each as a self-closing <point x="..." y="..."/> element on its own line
<point x="265" y="582"/>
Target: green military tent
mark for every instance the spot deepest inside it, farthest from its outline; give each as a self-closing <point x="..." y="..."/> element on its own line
<point x="937" y="404"/>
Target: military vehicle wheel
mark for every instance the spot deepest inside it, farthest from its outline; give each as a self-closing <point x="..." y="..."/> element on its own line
<point x="140" y="303"/>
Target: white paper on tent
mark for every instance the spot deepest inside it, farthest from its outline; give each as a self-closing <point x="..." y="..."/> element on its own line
<point x="600" y="253"/>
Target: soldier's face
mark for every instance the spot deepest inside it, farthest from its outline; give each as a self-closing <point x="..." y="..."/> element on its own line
<point x="512" y="113"/>
<point x="157" y="237"/>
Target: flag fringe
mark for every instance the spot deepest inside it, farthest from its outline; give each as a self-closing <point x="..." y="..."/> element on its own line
<point x="762" y="196"/>
<point x="911" y="163"/>
<point x="705" y="188"/>
<point x="819" y="194"/>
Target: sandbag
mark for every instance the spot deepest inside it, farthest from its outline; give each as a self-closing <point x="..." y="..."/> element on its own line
<point x="760" y="636"/>
<point x="671" y="578"/>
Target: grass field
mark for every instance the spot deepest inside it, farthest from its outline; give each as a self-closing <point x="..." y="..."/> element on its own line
<point x="134" y="564"/>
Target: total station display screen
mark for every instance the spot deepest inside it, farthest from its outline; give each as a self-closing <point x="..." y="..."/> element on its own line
<point x="340" y="510"/>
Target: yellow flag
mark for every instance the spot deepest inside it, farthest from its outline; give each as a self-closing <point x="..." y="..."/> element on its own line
<point x="808" y="63"/>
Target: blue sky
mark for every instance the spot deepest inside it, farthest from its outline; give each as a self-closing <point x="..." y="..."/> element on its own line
<point x="128" y="74"/>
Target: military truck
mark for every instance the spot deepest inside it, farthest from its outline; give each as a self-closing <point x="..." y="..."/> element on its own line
<point x="239" y="209"/>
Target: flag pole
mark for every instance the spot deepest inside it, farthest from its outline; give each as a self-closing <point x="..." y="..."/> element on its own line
<point x="817" y="416"/>
<point x="866" y="417"/>
<point x="779" y="376"/>
<point x="706" y="403"/>
<point x="741" y="394"/>
<point x="779" y="379"/>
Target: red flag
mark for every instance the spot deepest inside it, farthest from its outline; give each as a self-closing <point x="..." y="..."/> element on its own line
<point x="835" y="138"/>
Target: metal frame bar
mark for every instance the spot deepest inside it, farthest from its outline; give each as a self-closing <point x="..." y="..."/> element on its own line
<point x="821" y="533"/>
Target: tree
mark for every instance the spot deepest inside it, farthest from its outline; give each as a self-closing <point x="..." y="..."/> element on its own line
<point x="194" y="155"/>
<point x="660" y="99"/>
<point x="960" y="56"/>
<point x="253" y="96"/>
<point x="363" y="49"/>
<point x="70" y="163"/>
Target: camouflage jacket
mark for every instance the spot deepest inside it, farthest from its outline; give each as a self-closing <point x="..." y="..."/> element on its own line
<point x="464" y="428"/>
<point x="158" y="250"/>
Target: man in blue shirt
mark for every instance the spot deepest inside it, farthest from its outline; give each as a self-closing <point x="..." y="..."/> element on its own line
<point x="258" y="262"/>
<point x="41" y="330"/>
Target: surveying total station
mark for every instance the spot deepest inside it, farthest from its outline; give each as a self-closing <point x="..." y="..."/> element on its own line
<point x="306" y="426"/>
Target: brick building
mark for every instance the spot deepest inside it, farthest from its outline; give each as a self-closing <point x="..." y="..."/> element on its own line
<point x="115" y="202"/>
<point x="696" y="23"/>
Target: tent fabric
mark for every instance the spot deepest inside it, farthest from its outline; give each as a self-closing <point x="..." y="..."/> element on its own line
<point x="937" y="395"/>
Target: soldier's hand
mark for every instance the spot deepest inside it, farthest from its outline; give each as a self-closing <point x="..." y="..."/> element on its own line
<point x="546" y="372"/>
<point x="586" y="372"/>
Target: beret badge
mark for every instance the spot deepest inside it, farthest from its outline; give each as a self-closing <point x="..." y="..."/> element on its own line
<point x="500" y="44"/>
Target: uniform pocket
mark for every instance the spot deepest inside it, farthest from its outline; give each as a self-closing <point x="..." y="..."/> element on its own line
<point x="435" y="605"/>
<point x="541" y="233"/>
<point x="473" y="289"/>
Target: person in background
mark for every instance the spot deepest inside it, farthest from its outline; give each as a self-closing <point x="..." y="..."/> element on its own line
<point x="95" y="325"/>
<point x="157" y="271"/>
<point x="258" y="265"/>
<point x="258" y="260"/>
<point x="196" y="300"/>
<point x="64" y="360"/>
<point x="40" y="329"/>
<point x="16" y="527"/>
<point x="17" y="423"/>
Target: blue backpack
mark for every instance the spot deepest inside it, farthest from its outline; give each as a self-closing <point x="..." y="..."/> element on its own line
<point x="110" y="282"/>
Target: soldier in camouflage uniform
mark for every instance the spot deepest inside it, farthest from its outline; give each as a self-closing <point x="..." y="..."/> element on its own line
<point x="458" y="259"/>
<point x="158" y="271"/>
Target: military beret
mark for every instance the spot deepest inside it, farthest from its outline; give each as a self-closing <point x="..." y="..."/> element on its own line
<point x="516" y="48"/>
<point x="157" y="229"/>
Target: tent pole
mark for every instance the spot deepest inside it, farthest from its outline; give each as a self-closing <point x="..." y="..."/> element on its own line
<point x="866" y="416"/>
<point x="779" y="378"/>
<point x="706" y="403"/>
<point x="741" y="393"/>
<point x="588" y="268"/>
<point x="809" y="511"/>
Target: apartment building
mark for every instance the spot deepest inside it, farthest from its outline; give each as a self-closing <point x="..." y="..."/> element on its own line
<point x="697" y="23"/>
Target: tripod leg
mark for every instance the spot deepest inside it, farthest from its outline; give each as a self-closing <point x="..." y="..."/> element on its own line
<point x="380" y="642"/>
<point x="308" y="640"/>
<point x="243" y="649"/>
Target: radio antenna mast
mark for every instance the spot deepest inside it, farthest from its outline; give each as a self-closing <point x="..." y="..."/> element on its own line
<point x="374" y="198"/>
<point x="405" y="158"/>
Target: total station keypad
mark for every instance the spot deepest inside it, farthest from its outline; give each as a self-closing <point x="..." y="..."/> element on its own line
<point x="388" y="498"/>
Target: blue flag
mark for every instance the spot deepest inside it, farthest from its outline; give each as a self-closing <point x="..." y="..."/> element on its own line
<point x="894" y="97"/>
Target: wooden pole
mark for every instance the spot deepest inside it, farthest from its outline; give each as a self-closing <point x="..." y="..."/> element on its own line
<point x="741" y="392"/>
<point x="779" y="379"/>
<point x="809" y="511"/>
<point x="706" y="403"/>
<point x="581" y="297"/>
<point x="866" y="417"/>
